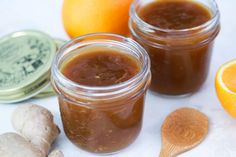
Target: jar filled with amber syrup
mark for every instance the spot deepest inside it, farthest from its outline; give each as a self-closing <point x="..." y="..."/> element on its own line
<point x="101" y="81"/>
<point x="179" y="37"/>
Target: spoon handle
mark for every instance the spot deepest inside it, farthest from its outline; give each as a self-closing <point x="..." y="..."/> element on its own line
<point x="167" y="151"/>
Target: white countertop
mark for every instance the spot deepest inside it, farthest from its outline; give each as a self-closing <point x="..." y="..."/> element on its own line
<point x="45" y="15"/>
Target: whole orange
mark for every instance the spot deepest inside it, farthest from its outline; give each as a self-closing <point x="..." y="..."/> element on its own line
<point x="89" y="16"/>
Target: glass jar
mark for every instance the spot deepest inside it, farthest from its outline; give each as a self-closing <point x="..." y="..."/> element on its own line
<point x="179" y="58"/>
<point x="102" y="119"/>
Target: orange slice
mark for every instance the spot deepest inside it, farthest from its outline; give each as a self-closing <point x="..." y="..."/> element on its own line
<point x="225" y="84"/>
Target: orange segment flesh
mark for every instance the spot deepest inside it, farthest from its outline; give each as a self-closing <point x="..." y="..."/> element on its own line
<point x="225" y="84"/>
<point x="229" y="78"/>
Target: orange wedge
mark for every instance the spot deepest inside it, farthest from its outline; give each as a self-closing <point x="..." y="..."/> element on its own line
<point x="225" y="84"/>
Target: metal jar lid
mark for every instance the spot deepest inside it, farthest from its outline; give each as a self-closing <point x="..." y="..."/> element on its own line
<point x="49" y="91"/>
<point x="59" y="43"/>
<point x="25" y="62"/>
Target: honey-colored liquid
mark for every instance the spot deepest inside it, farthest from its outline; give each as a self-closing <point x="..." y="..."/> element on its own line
<point x="118" y="122"/>
<point x="175" y="14"/>
<point x="177" y="69"/>
<point x="101" y="67"/>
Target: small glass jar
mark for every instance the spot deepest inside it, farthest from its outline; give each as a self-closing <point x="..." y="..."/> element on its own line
<point x="179" y="58"/>
<point x="102" y="119"/>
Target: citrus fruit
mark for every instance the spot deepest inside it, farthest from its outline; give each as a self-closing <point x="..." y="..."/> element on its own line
<point x="89" y="16"/>
<point x="226" y="86"/>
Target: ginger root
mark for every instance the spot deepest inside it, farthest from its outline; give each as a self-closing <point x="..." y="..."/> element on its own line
<point x="36" y="125"/>
<point x="56" y="153"/>
<point x="14" y="145"/>
<point x="37" y="129"/>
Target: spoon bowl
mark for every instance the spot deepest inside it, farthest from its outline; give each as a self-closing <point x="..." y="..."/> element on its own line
<point x="182" y="130"/>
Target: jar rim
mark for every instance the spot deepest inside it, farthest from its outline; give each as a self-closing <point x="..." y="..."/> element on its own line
<point x="103" y="90"/>
<point x="134" y="16"/>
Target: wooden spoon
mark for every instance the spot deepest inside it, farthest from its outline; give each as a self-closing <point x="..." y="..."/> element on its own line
<point x="182" y="130"/>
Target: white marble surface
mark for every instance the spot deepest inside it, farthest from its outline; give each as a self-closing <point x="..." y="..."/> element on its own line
<point x="45" y="15"/>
